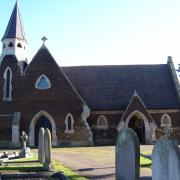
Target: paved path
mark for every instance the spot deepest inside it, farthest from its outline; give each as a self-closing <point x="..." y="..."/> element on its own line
<point x="93" y="162"/>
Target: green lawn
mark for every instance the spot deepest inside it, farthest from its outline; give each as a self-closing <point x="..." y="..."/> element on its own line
<point x="31" y="164"/>
<point x="67" y="172"/>
<point x="22" y="164"/>
<point x="144" y="162"/>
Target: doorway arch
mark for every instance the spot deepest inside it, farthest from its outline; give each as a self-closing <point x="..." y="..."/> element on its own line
<point x="44" y="122"/>
<point x="137" y="124"/>
<point x="37" y="121"/>
<point x="147" y="129"/>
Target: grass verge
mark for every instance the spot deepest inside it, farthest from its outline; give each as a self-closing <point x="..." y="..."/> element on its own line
<point x="67" y="172"/>
<point x="22" y="164"/>
<point x="144" y="162"/>
<point x="32" y="165"/>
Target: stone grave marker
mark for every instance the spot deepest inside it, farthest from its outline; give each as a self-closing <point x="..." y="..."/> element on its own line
<point x="41" y="155"/>
<point x="127" y="155"/>
<point x="25" y="151"/>
<point x="165" y="160"/>
<point x="47" y="149"/>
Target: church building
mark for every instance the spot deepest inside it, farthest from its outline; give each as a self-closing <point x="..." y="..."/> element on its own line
<point x="81" y="105"/>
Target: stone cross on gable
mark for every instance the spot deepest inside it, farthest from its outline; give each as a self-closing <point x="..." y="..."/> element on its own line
<point x="44" y="39"/>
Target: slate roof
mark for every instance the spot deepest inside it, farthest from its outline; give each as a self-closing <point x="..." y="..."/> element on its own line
<point x="111" y="87"/>
<point x="15" y="26"/>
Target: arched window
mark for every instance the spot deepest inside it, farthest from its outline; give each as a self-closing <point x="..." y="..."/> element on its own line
<point x="102" y="122"/>
<point x="166" y="120"/>
<point x="11" y="44"/>
<point x="4" y="46"/>
<point x="69" y="123"/>
<point x="19" y="45"/>
<point x="43" y="82"/>
<point x="7" y="85"/>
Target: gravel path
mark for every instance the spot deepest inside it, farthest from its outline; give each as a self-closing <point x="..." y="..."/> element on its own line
<point x="93" y="162"/>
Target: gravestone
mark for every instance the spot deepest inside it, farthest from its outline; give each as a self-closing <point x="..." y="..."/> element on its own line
<point x="127" y="155"/>
<point x="25" y="151"/>
<point x="47" y="149"/>
<point x="41" y="155"/>
<point x="167" y="130"/>
<point x="165" y="160"/>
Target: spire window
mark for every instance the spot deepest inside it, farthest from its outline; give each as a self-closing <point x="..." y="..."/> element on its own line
<point x="7" y="85"/>
<point x="69" y="123"/>
<point x="43" y="82"/>
<point x="11" y="44"/>
<point x="19" y="45"/>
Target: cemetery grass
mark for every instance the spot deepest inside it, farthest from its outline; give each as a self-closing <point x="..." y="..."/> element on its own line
<point x="144" y="162"/>
<point x="67" y="172"/>
<point x="32" y="165"/>
<point x="22" y="165"/>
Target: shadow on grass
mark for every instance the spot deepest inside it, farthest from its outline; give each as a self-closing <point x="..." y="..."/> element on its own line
<point x="91" y="169"/>
<point x="76" y="177"/>
<point x="22" y="168"/>
<point x="35" y="161"/>
<point x="146" y="178"/>
<point x="104" y="176"/>
<point x="146" y="165"/>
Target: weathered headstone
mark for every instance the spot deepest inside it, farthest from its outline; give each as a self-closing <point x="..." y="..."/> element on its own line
<point x="25" y="151"/>
<point x="165" y="160"/>
<point x="47" y="149"/>
<point x="127" y="155"/>
<point x="167" y="130"/>
<point x="41" y="155"/>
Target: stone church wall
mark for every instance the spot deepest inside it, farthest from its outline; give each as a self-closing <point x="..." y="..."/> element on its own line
<point x="6" y="124"/>
<point x="108" y="136"/>
<point x="57" y="101"/>
<point x="175" y="121"/>
<point x="5" y="130"/>
<point x="175" y="118"/>
<point x="105" y="136"/>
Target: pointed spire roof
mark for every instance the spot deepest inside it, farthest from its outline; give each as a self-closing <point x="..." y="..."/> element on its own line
<point x="15" y="26"/>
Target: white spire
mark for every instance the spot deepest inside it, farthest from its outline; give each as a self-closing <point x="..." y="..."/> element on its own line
<point x="13" y="41"/>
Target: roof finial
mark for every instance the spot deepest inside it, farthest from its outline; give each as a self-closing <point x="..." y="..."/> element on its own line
<point x="135" y="93"/>
<point x="44" y="39"/>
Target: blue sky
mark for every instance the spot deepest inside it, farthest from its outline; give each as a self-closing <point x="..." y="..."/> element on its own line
<point x="96" y="32"/>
